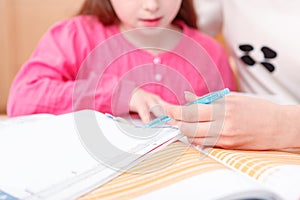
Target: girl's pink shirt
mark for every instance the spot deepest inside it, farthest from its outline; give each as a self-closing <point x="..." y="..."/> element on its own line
<point x="66" y="72"/>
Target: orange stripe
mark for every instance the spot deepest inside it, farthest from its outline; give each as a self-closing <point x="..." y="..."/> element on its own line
<point x="143" y="187"/>
<point x="177" y="162"/>
<point x="260" y="161"/>
<point x="147" y="178"/>
<point x="130" y="184"/>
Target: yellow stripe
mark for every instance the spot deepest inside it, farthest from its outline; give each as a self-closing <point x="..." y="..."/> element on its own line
<point x="178" y="162"/>
<point x="257" y="161"/>
<point x="144" y="178"/>
<point x="148" y="185"/>
<point x="129" y="185"/>
<point x="127" y="177"/>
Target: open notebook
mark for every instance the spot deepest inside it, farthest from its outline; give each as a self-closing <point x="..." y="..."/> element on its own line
<point x="179" y="171"/>
<point x="62" y="169"/>
<point x="64" y="156"/>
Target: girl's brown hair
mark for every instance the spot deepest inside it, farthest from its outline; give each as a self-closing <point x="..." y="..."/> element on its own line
<point x="106" y="14"/>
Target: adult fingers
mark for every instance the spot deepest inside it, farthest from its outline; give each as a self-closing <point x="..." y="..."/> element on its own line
<point x="204" y="142"/>
<point x="227" y="142"/>
<point x="192" y="113"/>
<point x="202" y="129"/>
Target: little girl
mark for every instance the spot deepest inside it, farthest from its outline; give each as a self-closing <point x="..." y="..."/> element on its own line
<point x="120" y="56"/>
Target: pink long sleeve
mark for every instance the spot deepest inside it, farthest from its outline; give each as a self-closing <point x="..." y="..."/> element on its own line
<point x="81" y="64"/>
<point x="46" y="82"/>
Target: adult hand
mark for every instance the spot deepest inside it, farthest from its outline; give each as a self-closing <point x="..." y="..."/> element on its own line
<point x="239" y="122"/>
<point x="145" y="103"/>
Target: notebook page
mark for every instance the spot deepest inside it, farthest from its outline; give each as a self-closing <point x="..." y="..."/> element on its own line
<point x="47" y="152"/>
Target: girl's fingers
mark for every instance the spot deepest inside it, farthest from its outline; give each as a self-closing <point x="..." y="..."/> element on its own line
<point x="144" y="114"/>
<point x="158" y="107"/>
<point x="153" y="106"/>
<point x="189" y="96"/>
<point x="157" y="110"/>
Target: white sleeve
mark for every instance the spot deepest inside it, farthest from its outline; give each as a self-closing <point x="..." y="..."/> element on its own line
<point x="209" y="16"/>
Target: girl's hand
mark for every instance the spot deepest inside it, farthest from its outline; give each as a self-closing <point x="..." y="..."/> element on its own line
<point x="237" y="122"/>
<point x="145" y="103"/>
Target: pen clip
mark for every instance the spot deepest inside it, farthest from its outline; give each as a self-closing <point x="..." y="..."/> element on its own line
<point x="211" y="97"/>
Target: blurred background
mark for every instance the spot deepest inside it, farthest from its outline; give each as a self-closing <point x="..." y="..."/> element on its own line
<point x="22" y="23"/>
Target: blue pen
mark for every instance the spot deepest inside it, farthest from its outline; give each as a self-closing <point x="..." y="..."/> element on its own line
<point x="207" y="99"/>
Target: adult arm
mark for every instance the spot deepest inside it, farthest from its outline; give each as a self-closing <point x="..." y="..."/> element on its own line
<point x="240" y="122"/>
